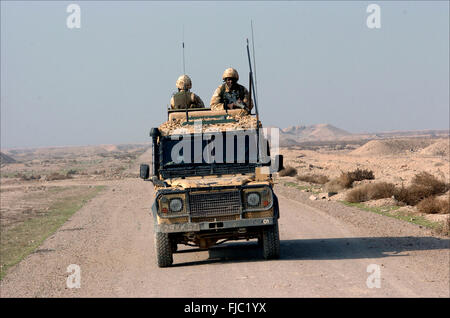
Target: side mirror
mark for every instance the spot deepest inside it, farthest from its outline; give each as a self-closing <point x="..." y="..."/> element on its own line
<point x="279" y="163"/>
<point x="144" y="172"/>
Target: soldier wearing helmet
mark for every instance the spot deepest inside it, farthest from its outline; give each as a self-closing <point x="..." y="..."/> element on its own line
<point x="184" y="98"/>
<point x="230" y="94"/>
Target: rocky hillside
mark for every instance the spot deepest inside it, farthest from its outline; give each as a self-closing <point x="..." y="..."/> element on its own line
<point x="319" y="132"/>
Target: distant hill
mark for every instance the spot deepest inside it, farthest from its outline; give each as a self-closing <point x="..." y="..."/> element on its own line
<point x="393" y="146"/>
<point x="320" y="132"/>
<point x="439" y="148"/>
<point x="303" y="135"/>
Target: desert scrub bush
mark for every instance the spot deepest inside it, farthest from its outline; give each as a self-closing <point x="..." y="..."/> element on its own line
<point x="433" y="205"/>
<point x="358" y="194"/>
<point x="72" y="172"/>
<point x="334" y="185"/>
<point x="313" y="178"/>
<point x="381" y="190"/>
<point x="25" y="177"/>
<point x="359" y="175"/>
<point x="372" y="191"/>
<point x="288" y="171"/>
<point x="423" y="185"/>
<point x="346" y="179"/>
<point x="427" y="180"/>
<point x="58" y="176"/>
<point x="411" y="195"/>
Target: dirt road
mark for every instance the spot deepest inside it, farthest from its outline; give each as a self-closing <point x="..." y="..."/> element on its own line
<point x="326" y="251"/>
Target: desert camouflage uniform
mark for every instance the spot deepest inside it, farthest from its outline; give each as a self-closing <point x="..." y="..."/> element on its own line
<point x="224" y="95"/>
<point x="182" y="98"/>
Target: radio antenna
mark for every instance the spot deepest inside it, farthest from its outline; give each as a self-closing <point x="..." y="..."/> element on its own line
<point x="250" y="82"/>
<point x="184" y="68"/>
<point x="254" y="63"/>
<point x="184" y="73"/>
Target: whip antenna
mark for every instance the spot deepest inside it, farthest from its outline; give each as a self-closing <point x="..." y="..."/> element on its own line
<point x="250" y="82"/>
<point x="184" y="73"/>
<point x="254" y="63"/>
<point x="255" y="102"/>
<point x="184" y="68"/>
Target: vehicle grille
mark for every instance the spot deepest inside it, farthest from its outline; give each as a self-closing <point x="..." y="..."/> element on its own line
<point x="215" y="204"/>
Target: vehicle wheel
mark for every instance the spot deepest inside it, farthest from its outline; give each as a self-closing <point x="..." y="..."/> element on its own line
<point x="271" y="242"/>
<point x="163" y="249"/>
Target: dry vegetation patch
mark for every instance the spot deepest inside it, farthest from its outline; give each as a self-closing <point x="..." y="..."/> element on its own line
<point x="22" y="233"/>
<point x="423" y="185"/>
<point x="58" y="176"/>
<point x="346" y="179"/>
<point x="423" y="189"/>
<point x="371" y="191"/>
<point x="288" y="171"/>
<point x="360" y="174"/>
<point x="433" y="205"/>
<point x="313" y="178"/>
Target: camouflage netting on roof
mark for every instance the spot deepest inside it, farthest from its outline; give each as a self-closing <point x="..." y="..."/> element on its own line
<point x="239" y="121"/>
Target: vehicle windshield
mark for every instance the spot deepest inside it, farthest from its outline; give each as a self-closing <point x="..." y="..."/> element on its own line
<point x="212" y="153"/>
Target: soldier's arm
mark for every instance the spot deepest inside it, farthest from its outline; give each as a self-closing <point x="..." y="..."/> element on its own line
<point x="216" y="101"/>
<point x="172" y="102"/>
<point x="197" y="101"/>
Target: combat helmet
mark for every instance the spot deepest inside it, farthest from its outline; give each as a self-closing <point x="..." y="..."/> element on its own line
<point x="184" y="82"/>
<point x="230" y="72"/>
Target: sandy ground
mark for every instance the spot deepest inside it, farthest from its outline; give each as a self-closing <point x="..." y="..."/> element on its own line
<point x="397" y="169"/>
<point x="325" y="252"/>
<point x="326" y="247"/>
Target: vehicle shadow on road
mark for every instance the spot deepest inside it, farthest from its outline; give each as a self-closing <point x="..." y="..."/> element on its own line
<point x="230" y="252"/>
<point x="321" y="249"/>
<point x="358" y="247"/>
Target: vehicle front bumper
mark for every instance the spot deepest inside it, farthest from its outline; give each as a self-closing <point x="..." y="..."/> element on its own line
<point x="207" y="226"/>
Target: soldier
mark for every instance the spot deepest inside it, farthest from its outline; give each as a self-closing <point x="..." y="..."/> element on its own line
<point x="184" y="98"/>
<point x="230" y="94"/>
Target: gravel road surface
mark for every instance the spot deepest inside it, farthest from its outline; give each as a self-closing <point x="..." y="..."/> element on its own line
<point x="327" y="250"/>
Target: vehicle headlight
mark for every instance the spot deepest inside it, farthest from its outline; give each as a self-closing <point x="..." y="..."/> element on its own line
<point x="175" y="205"/>
<point x="253" y="199"/>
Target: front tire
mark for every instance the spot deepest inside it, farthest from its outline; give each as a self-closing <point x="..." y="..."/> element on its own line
<point x="271" y="242"/>
<point x="163" y="249"/>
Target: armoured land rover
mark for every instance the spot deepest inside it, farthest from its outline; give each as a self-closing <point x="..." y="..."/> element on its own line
<point x="212" y="175"/>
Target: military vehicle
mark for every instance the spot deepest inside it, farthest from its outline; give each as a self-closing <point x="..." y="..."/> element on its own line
<point x="212" y="175"/>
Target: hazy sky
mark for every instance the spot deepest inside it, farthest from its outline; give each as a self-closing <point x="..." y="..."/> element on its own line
<point x="317" y="62"/>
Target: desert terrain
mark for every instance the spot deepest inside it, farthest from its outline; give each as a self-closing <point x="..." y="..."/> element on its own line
<point x="393" y="158"/>
<point x="87" y="206"/>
